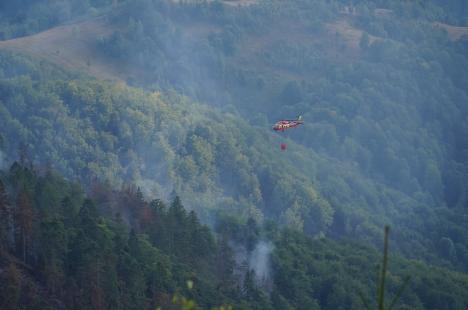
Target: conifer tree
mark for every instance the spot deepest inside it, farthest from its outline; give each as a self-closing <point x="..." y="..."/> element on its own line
<point x="10" y="288"/>
<point x="24" y="216"/>
<point x="5" y="217"/>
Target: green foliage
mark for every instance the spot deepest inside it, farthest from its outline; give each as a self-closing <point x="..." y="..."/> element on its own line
<point x="92" y="259"/>
<point x="388" y="115"/>
<point x="384" y="142"/>
<point x="333" y="275"/>
<point x="117" y="250"/>
<point x="216" y="161"/>
<point x="159" y="140"/>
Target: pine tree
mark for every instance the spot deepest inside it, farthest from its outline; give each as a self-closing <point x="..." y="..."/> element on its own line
<point x="250" y="289"/>
<point x="5" y="217"/>
<point x="23" y="223"/>
<point x="225" y="264"/>
<point x="10" y="288"/>
<point x="177" y="228"/>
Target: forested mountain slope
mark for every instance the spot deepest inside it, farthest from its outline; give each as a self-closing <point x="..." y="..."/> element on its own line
<point x="194" y="89"/>
<point x="64" y="249"/>
<point x="382" y="85"/>
<point x="214" y="160"/>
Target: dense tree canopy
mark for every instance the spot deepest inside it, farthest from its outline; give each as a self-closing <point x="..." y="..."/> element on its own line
<point x="382" y="89"/>
<point x="114" y="249"/>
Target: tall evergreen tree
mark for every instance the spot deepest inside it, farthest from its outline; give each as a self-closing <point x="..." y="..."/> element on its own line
<point x="24" y="216"/>
<point x="5" y="218"/>
<point x="10" y="288"/>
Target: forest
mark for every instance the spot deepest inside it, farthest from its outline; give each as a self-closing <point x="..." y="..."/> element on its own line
<point x="164" y="189"/>
<point x="62" y="247"/>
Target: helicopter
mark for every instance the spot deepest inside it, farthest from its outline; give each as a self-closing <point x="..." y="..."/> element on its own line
<point x="284" y="124"/>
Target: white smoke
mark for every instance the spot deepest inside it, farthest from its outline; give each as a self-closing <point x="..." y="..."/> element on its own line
<point x="259" y="261"/>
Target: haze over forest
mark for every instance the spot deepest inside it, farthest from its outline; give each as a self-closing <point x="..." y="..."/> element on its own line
<point x="139" y="168"/>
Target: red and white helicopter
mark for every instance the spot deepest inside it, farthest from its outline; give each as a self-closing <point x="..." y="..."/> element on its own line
<point x="284" y="124"/>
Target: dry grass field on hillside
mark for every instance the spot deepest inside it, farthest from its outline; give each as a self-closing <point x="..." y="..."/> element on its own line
<point x="72" y="46"/>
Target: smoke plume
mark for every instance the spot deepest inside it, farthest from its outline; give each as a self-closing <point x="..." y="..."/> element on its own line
<point x="259" y="261"/>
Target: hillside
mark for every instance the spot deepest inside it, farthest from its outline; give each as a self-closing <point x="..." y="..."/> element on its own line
<point x="219" y="164"/>
<point x="169" y="99"/>
<point x="321" y="65"/>
<point x="72" y="46"/>
<point x="75" y="45"/>
<point x="73" y="250"/>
